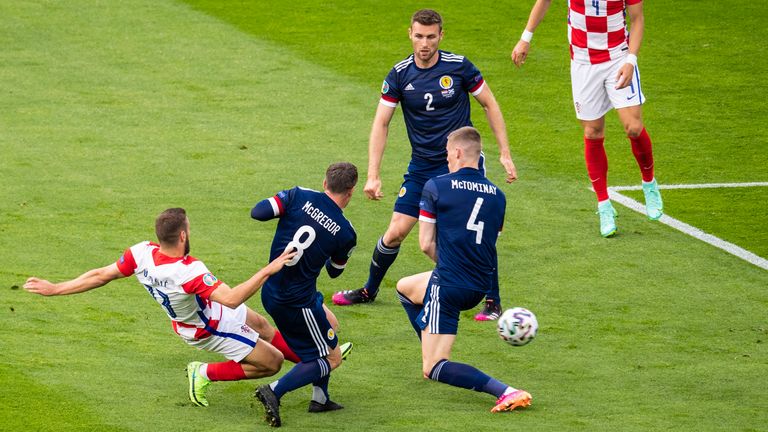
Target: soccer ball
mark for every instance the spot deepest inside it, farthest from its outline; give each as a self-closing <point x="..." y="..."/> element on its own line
<point x="518" y="326"/>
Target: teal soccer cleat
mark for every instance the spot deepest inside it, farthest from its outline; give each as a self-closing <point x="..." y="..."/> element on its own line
<point x="654" y="207"/>
<point x="607" y="218"/>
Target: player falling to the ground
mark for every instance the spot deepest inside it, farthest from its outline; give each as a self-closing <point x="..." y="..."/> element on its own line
<point x="433" y="88"/>
<point x="604" y="75"/>
<point x="461" y="217"/>
<point x="204" y="311"/>
<point x="313" y="224"/>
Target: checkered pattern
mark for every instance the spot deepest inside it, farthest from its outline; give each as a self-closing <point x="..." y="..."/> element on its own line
<point x="597" y="30"/>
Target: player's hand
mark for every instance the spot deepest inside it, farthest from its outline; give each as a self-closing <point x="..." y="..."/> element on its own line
<point x="624" y="76"/>
<point x="40" y="286"/>
<point x="372" y="189"/>
<point x="277" y="264"/>
<point x="509" y="167"/>
<point x="520" y="53"/>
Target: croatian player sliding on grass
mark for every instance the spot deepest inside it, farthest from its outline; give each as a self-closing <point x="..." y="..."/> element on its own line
<point x="433" y="88"/>
<point x="205" y="312"/>
<point x="313" y="224"/>
<point x="461" y="216"/>
<point x="604" y="75"/>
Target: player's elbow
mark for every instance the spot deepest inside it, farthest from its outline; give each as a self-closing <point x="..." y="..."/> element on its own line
<point x="262" y="211"/>
<point x="426" y="246"/>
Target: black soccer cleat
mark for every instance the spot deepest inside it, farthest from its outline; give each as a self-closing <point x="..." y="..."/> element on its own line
<point x="271" y="404"/>
<point x="329" y="405"/>
<point x="491" y="312"/>
<point x="350" y="297"/>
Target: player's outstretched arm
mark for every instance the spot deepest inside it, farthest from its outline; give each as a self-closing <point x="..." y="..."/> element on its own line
<point x="499" y="128"/>
<point x="376" y="144"/>
<point x="636" y="30"/>
<point x="89" y="280"/>
<point x="234" y="297"/>
<point x="520" y="52"/>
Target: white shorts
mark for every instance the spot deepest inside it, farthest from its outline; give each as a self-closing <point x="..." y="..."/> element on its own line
<point x="233" y="338"/>
<point x="594" y="89"/>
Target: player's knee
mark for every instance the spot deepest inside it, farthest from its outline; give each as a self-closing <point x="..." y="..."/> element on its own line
<point x="633" y="129"/>
<point x="274" y="365"/>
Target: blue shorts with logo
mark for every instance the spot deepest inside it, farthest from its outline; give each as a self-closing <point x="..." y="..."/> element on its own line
<point x="305" y="329"/>
<point x="443" y="306"/>
<point x="419" y="171"/>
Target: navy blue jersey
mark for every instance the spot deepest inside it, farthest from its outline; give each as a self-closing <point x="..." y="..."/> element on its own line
<point x="312" y="223"/>
<point x="435" y="101"/>
<point x="468" y="211"/>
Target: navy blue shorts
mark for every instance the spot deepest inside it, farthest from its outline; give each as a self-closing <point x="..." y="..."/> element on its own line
<point x="443" y="305"/>
<point x="419" y="172"/>
<point x="305" y="329"/>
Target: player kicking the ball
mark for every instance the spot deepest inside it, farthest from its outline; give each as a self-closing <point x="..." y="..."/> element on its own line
<point x="204" y="311"/>
<point x="461" y="216"/>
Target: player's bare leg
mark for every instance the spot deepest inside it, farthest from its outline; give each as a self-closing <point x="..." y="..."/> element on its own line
<point x="434" y="347"/>
<point x="384" y="255"/>
<point x="597" y="169"/>
<point x="632" y="120"/>
<point x="263" y="361"/>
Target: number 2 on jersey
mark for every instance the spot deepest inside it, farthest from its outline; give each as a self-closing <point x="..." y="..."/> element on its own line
<point x="299" y="244"/>
<point x="472" y="223"/>
<point x="429" y="98"/>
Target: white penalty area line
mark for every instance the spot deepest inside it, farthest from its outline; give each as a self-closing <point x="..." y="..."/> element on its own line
<point x="692" y="230"/>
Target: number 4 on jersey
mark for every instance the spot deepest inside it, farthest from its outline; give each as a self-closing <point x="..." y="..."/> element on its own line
<point x="472" y="223"/>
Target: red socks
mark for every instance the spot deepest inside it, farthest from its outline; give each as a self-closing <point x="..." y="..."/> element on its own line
<point x="597" y="166"/>
<point x="282" y="346"/>
<point x="225" y="371"/>
<point x="641" y="148"/>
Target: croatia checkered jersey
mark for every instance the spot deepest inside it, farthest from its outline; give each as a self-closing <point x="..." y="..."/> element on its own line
<point x="313" y="224"/>
<point x="468" y="211"/>
<point x="181" y="285"/>
<point x="597" y="30"/>
<point x="435" y="101"/>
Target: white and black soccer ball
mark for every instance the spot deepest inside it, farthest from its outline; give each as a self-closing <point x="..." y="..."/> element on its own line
<point x="518" y="326"/>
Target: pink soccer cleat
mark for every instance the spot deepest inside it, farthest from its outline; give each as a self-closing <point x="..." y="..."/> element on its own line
<point x="510" y="401"/>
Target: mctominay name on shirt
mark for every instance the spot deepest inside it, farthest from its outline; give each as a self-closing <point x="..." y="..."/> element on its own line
<point x="321" y="218"/>
<point x="473" y="186"/>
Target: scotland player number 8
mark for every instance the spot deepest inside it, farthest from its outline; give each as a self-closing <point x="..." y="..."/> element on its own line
<point x="299" y="244"/>
<point x="472" y="223"/>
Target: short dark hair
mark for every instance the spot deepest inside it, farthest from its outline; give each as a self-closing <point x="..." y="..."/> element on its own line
<point x="169" y="224"/>
<point x="341" y="177"/>
<point x="468" y="138"/>
<point x="427" y="17"/>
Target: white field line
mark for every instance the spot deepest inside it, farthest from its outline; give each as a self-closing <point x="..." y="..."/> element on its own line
<point x="692" y="186"/>
<point x="688" y="229"/>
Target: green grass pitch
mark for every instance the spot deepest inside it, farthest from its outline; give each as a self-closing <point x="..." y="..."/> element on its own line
<point x="113" y="111"/>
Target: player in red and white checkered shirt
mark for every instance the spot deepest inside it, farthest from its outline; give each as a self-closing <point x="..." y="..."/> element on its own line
<point x="604" y="75"/>
<point x="205" y="312"/>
